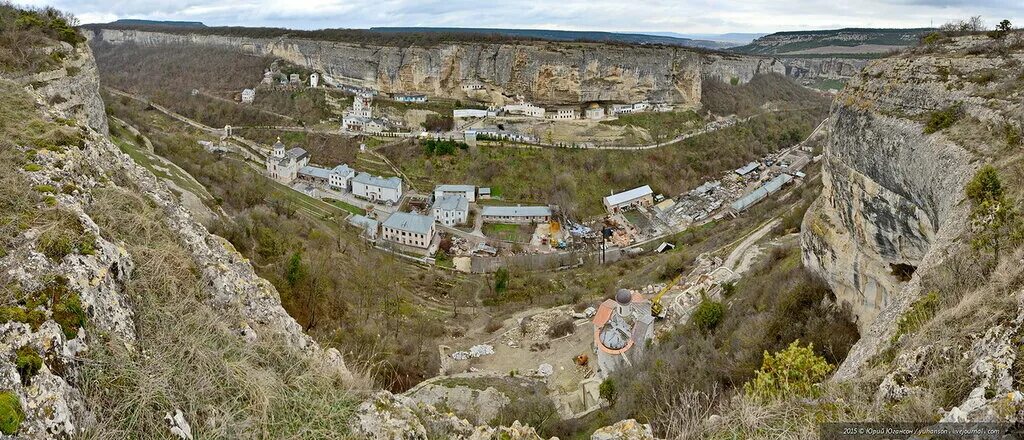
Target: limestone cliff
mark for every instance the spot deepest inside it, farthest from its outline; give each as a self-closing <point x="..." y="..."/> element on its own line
<point x="39" y="272"/>
<point x="893" y="197"/>
<point x="543" y="72"/>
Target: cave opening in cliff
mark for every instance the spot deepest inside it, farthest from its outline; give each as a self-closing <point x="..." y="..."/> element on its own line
<point x="902" y="271"/>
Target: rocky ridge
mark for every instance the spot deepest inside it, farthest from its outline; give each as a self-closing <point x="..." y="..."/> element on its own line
<point x="53" y="408"/>
<point x="541" y="72"/>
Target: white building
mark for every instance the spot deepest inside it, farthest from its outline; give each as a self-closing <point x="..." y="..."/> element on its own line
<point x="471" y="113"/>
<point x="594" y="112"/>
<point x="294" y="78"/>
<point x="409" y="229"/>
<point x="498" y="135"/>
<point x="451" y="210"/>
<point x="561" y="113"/>
<point x="642" y="196"/>
<point x="362" y="105"/>
<point x="524" y="109"/>
<point x="314" y="80"/>
<point x="472" y="87"/>
<point x="515" y="214"/>
<point x="467" y="191"/>
<point x="377" y="189"/>
<point x="248" y="96"/>
<point x="341" y="177"/>
<point x="283" y="165"/>
<point x="410" y="97"/>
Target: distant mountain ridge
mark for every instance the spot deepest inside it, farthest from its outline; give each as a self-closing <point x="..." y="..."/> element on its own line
<point x="137" y="22"/>
<point x="846" y="41"/>
<point x="559" y="35"/>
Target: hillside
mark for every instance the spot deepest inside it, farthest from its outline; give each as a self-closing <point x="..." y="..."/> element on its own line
<point x="118" y="311"/>
<point x="847" y="42"/>
<point x="558" y="35"/>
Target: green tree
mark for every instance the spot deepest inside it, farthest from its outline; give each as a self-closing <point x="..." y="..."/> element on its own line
<point x="994" y="217"/>
<point x="295" y="272"/>
<point x="501" y="278"/>
<point x="793" y="372"/>
<point x="708" y="314"/>
<point x="1004" y="27"/>
<point x="607" y="390"/>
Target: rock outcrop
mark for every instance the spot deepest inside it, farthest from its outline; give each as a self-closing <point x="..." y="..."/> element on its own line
<point x="95" y="277"/>
<point x="893" y="197"/>
<point x="542" y="72"/>
<point x="395" y="417"/>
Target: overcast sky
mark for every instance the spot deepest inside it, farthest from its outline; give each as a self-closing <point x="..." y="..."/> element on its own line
<point x="682" y="16"/>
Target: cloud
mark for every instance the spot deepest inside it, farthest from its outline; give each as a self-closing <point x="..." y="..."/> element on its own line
<point x="687" y="16"/>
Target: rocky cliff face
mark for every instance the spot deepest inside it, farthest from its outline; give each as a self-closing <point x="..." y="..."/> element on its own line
<point x="893" y="197"/>
<point x="97" y="274"/>
<point x="543" y="72"/>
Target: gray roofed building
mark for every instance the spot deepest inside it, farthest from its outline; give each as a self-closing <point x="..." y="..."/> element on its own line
<point x="344" y="170"/>
<point x="455" y="188"/>
<point x="637" y="196"/>
<point x="370" y="179"/>
<point x="297" y="153"/>
<point x="315" y="172"/>
<point x="452" y="203"/>
<point x="761" y="193"/>
<point x="746" y="169"/>
<point x="516" y="211"/>
<point x="409" y="222"/>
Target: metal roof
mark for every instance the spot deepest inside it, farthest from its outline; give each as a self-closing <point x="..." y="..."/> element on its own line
<point x="452" y="203"/>
<point x="409" y="222"/>
<point x="297" y="153"/>
<point x="746" y="169"/>
<point x="317" y="172"/>
<point x="628" y="196"/>
<point x="759" y="194"/>
<point x="343" y="170"/>
<point x="454" y="188"/>
<point x="516" y="211"/>
<point x="378" y="181"/>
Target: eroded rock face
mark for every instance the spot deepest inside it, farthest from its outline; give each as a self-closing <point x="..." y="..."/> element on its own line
<point x="542" y="72"/>
<point x="893" y="196"/>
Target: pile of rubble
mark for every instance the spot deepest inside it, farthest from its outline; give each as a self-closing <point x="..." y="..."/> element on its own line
<point x="474" y="352"/>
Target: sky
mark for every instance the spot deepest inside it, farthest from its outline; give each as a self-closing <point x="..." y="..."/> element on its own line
<point x="680" y="16"/>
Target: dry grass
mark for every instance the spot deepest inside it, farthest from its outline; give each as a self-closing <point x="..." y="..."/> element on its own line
<point x="188" y="358"/>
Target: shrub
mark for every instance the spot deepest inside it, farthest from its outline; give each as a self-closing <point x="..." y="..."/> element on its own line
<point x="45" y="188"/>
<point x="1012" y="134"/>
<point x="607" y="389"/>
<point x="793" y="372"/>
<point x="920" y="312"/>
<point x="943" y="119"/>
<point x="28" y="363"/>
<point x="11" y="414"/>
<point x="708" y="314"/>
<point x="32" y="167"/>
<point x="933" y="38"/>
<point x="70" y="315"/>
